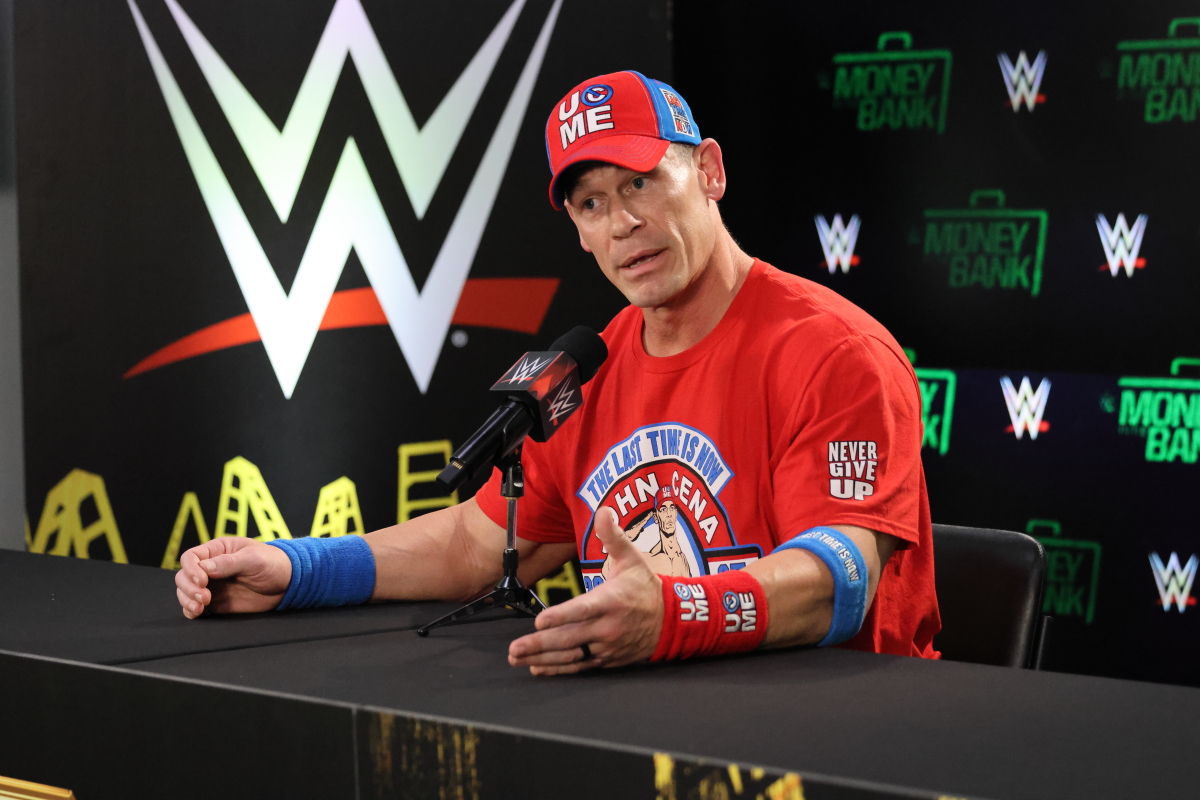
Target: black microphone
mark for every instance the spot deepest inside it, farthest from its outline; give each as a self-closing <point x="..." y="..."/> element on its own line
<point x="543" y="390"/>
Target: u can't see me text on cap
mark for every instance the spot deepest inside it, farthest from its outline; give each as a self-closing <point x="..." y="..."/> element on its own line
<point x="623" y="118"/>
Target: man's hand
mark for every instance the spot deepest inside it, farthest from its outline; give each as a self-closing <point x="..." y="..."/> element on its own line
<point x="620" y="621"/>
<point x="232" y="574"/>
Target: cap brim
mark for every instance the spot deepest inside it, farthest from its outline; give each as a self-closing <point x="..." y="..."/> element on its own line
<point x="631" y="151"/>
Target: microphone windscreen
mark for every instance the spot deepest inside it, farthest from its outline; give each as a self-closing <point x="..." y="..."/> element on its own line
<point x="586" y="347"/>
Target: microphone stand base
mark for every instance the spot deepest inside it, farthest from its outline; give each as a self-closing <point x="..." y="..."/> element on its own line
<point x="509" y="593"/>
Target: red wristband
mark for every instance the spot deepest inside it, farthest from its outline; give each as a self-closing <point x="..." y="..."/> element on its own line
<point x="725" y="613"/>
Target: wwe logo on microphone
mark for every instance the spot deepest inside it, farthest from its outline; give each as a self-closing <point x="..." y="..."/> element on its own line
<point x="1122" y="243"/>
<point x="1022" y="79"/>
<point x="561" y="403"/>
<point x="1026" y="407"/>
<point x="1174" y="582"/>
<point x="526" y="370"/>
<point x="837" y="241"/>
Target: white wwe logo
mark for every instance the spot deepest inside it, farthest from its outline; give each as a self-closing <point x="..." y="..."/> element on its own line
<point x="1174" y="581"/>
<point x="1025" y="406"/>
<point x="1022" y="79"/>
<point x="527" y="369"/>
<point x="1121" y="242"/>
<point x="838" y="240"/>
<point x="351" y="216"/>
<point x="562" y="402"/>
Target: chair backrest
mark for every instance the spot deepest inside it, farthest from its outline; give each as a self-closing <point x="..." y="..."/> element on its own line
<point x="989" y="588"/>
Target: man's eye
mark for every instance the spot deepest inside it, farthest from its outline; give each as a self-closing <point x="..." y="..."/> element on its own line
<point x="638" y="183"/>
<point x="589" y="204"/>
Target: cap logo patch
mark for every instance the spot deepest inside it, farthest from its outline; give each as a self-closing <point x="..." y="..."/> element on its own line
<point x="596" y="94"/>
<point x="596" y="117"/>
<point x="683" y="123"/>
<point x="565" y="113"/>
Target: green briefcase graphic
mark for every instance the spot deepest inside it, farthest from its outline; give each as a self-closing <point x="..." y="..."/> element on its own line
<point x="1163" y="411"/>
<point x="1163" y="73"/>
<point x="988" y="247"/>
<point x="1072" y="572"/>
<point x="894" y="89"/>
<point x="937" y="407"/>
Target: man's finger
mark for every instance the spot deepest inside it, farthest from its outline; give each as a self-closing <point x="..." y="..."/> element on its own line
<point x="551" y="658"/>
<point x="564" y="637"/>
<point x="190" y="561"/>
<point x="622" y="551"/>
<point x="191" y="608"/>
<point x="223" y="566"/>
<point x="577" y="609"/>
<point x="189" y="570"/>
<point x="565" y="669"/>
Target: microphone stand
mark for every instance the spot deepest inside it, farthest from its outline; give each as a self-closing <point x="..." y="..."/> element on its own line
<point x="509" y="592"/>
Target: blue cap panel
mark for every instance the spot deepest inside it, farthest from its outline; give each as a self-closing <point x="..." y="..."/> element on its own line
<point x="675" y="121"/>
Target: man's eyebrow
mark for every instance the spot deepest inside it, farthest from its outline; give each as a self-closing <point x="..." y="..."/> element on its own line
<point x="577" y="185"/>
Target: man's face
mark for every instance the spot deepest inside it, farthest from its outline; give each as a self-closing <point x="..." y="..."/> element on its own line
<point x="667" y="516"/>
<point x="651" y="232"/>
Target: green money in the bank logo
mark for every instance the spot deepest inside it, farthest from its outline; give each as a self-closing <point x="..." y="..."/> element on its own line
<point x="988" y="246"/>
<point x="937" y="407"/>
<point x="1163" y="74"/>
<point x="894" y="88"/>
<point x="1072" y="572"/>
<point x="1166" y="412"/>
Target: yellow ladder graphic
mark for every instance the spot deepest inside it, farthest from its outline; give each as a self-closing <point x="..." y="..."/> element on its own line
<point x="337" y="510"/>
<point x="244" y="492"/>
<point x="62" y="519"/>
<point x="404" y="506"/>
<point x="190" y="507"/>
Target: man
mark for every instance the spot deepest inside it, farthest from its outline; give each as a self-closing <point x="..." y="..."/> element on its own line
<point x="785" y="421"/>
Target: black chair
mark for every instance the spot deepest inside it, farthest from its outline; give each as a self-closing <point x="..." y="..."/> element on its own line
<point x="989" y="589"/>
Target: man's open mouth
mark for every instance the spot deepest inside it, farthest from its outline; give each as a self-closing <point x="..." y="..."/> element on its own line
<point x="639" y="259"/>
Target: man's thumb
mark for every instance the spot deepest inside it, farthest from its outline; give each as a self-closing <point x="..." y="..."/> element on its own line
<point x="222" y="566"/>
<point x="619" y="548"/>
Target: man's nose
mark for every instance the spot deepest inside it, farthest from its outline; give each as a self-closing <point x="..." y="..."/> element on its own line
<point x="624" y="221"/>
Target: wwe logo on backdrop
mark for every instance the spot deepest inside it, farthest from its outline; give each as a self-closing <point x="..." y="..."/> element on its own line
<point x="1174" y="582"/>
<point x="1022" y="80"/>
<point x="351" y="216"/>
<point x="837" y="241"/>
<point x="1026" y="407"/>
<point x="1122" y="243"/>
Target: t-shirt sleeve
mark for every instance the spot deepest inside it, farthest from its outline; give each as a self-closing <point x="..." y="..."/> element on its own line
<point x="850" y="452"/>
<point x="542" y="515"/>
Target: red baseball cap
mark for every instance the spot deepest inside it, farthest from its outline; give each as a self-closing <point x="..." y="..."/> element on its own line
<point x="622" y="118"/>
<point x="662" y="495"/>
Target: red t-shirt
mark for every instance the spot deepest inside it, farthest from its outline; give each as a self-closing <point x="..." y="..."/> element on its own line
<point x="797" y="410"/>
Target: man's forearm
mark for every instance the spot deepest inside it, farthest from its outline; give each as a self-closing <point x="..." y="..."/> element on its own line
<point x="800" y="588"/>
<point x="451" y="554"/>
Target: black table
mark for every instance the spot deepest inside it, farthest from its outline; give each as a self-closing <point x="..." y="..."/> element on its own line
<point x="353" y="702"/>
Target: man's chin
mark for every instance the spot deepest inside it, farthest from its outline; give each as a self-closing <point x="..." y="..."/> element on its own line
<point x="649" y="296"/>
<point x="652" y="291"/>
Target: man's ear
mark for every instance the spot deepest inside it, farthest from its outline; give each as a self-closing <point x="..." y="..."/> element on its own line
<point x="571" y="214"/>
<point x="710" y="168"/>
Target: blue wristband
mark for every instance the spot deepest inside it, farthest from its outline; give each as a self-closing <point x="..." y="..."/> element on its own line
<point x="328" y="572"/>
<point x="849" y="571"/>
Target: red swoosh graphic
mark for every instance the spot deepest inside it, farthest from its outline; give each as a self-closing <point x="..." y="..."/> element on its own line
<point x="511" y="304"/>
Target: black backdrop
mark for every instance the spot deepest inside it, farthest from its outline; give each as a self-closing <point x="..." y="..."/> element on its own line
<point x="120" y="258"/>
<point x="762" y="79"/>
